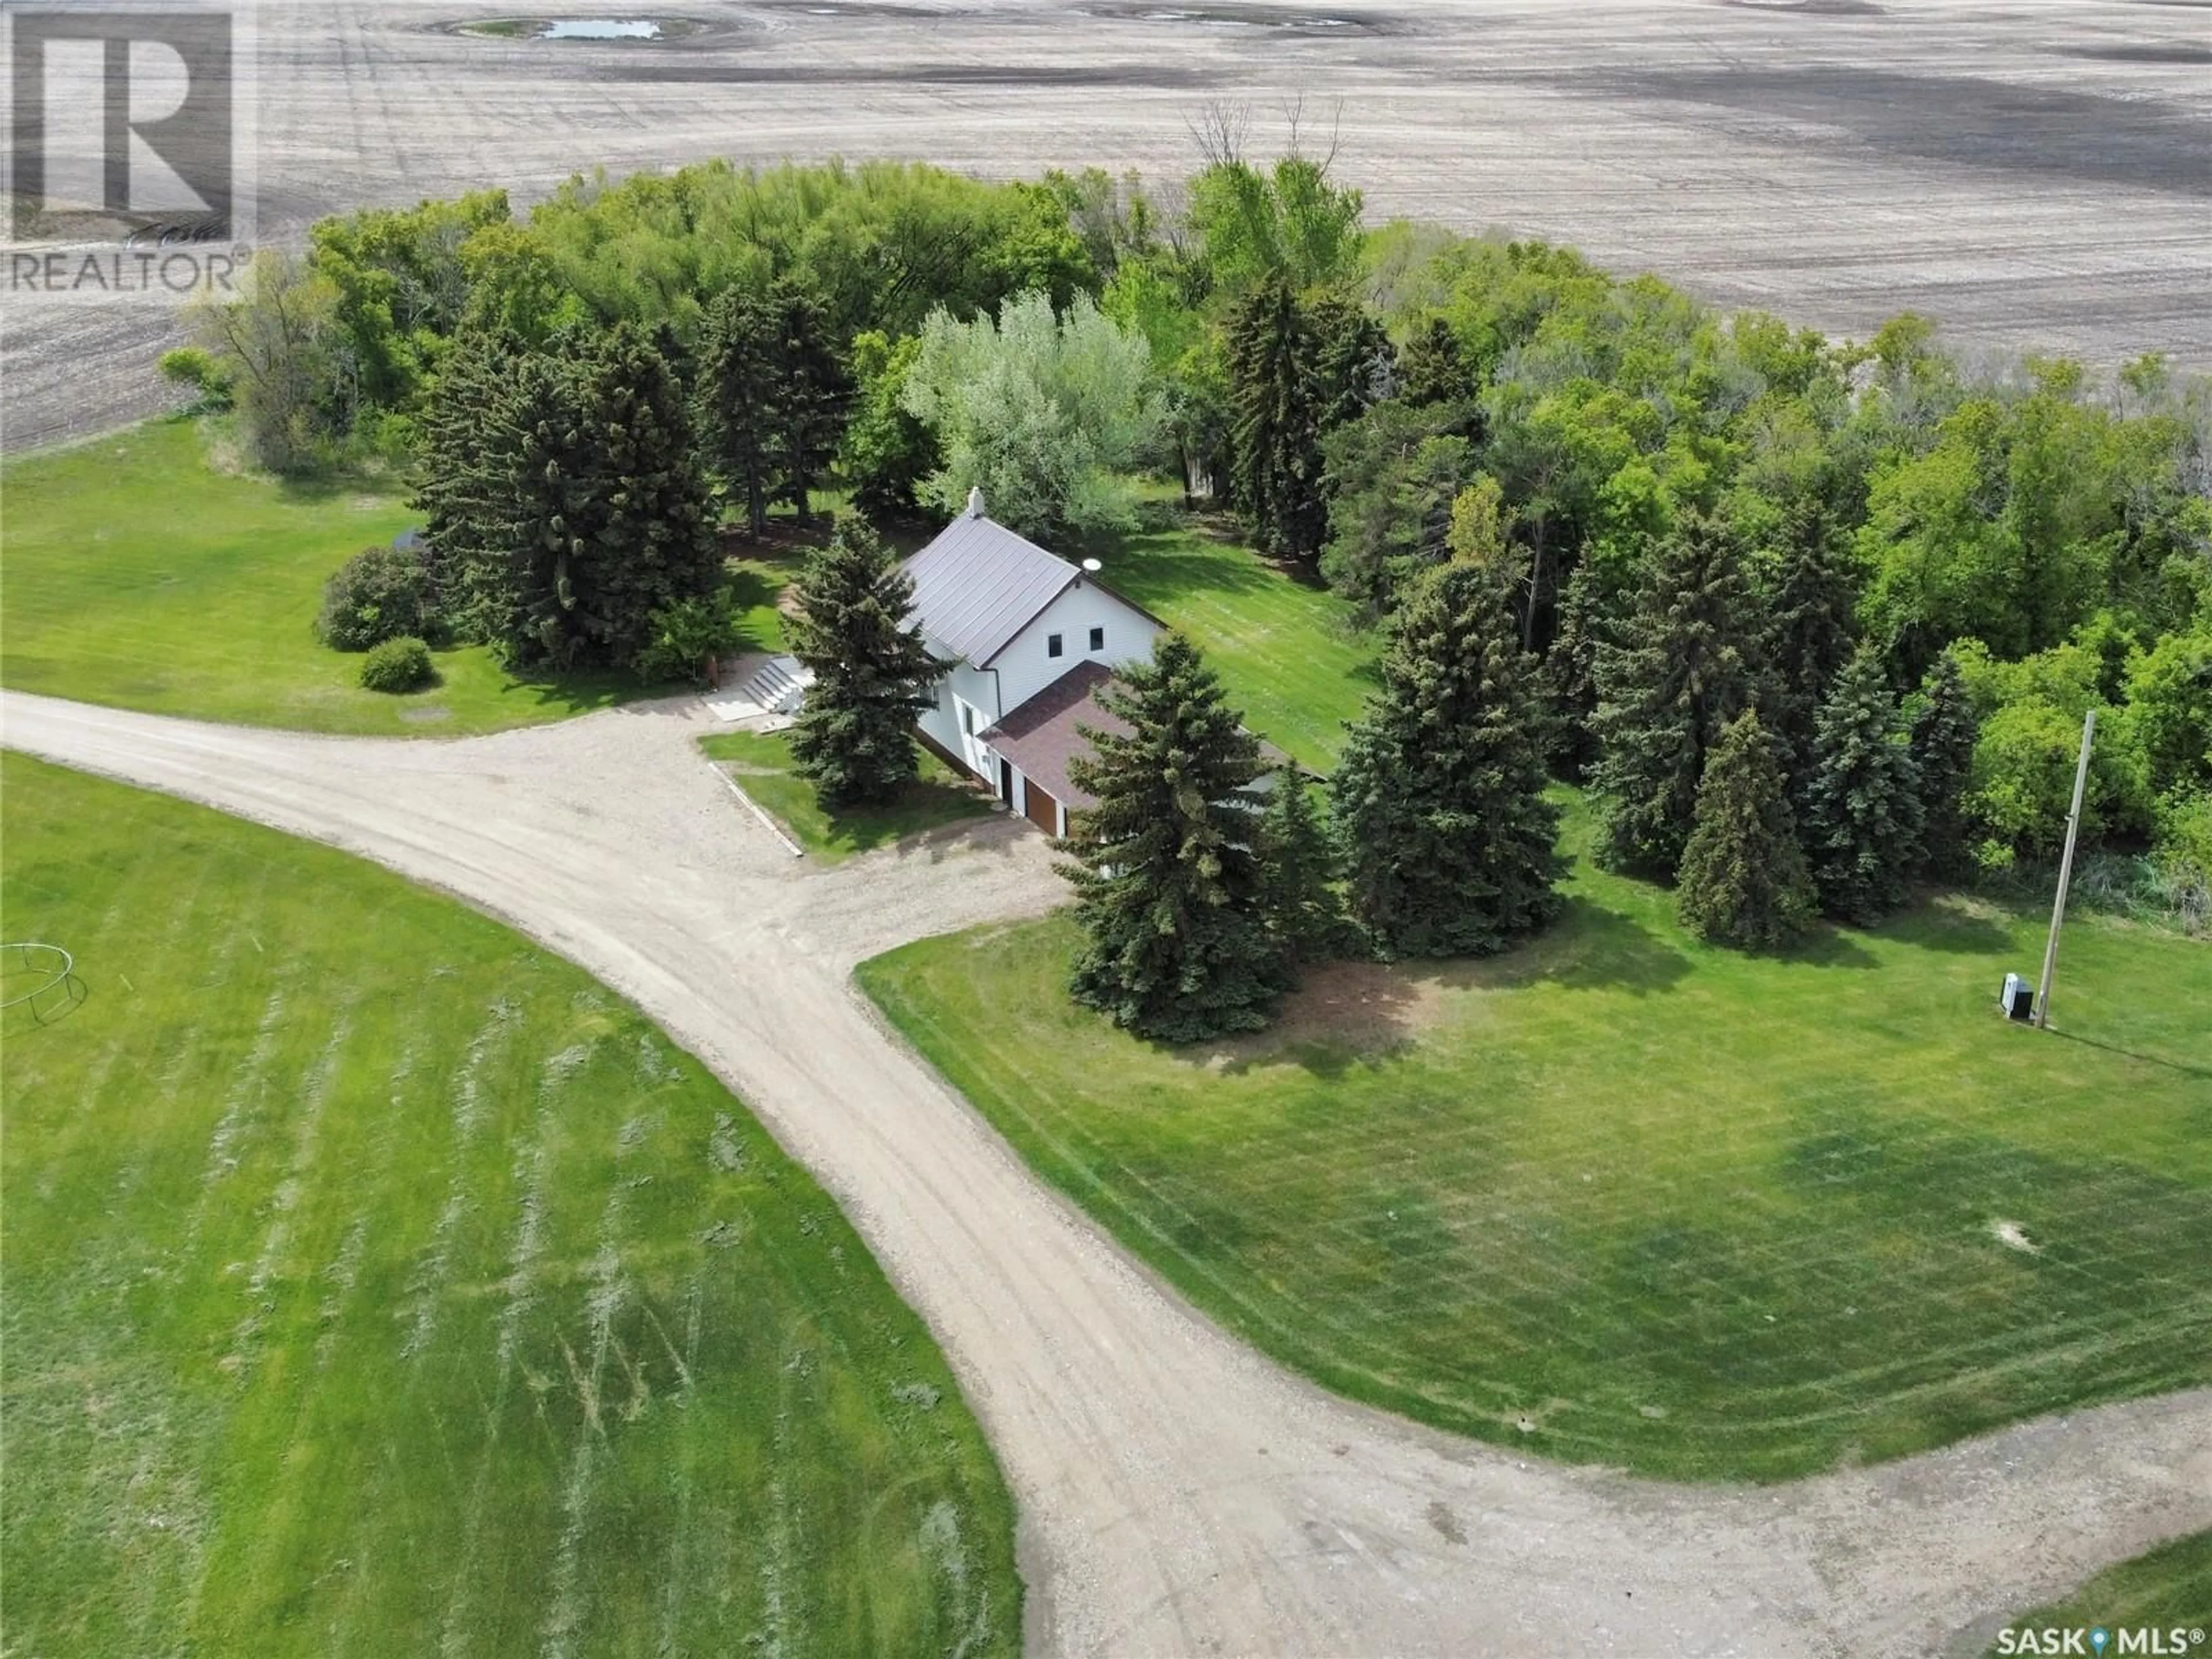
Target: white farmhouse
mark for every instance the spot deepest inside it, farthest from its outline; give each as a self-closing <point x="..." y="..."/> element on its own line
<point x="1026" y="639"/>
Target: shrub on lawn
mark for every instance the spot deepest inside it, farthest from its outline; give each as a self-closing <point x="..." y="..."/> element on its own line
<point x="685" y="633"/>
<point x="380" y="593"/>
<point x="198" y="371"/>
<point x="401" y="664"/>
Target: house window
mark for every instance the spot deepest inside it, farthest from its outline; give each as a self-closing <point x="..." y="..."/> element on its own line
<point x="1098" y="639"/>
<point x="967" y="718"/>
<point x="1053" y="645"/>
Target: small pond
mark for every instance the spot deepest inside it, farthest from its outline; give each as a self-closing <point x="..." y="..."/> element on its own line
<point x="602" y="28"/>
<point x="579" y="28"/>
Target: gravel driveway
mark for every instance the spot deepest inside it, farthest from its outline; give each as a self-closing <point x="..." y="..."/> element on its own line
<point x="1178" y="1493"/>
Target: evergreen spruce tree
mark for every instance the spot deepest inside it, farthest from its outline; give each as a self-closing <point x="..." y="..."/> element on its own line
<point x="1446" y="838"/>
<point x="474" y="448"/>
<point x="854" y="737"/>
<point x="1944" y="728"/>
<point x="740" y="394"/>
<point x="811" y="392"/>
<point x="1275" y="458"/>
<point x="1744" y="878"/>
<point x="1299" y="872"/>
<point x="1862" y="824"/>
<point x="1434" y="369"/>
<point x="1169" y="888"/>
<point x="639" y="509"/>
<point x="1812" y="614"/>
<point x="564" y="501"/>
<point x="1570" y="676"/>
<point x="1682" y="670"/>
<point x="1352" y="367"/>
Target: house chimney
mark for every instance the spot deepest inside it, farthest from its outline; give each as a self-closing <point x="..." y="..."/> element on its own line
<point x="975" y="503"/>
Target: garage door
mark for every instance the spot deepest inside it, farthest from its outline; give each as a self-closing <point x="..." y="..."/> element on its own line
<point x="1043" y="811"/>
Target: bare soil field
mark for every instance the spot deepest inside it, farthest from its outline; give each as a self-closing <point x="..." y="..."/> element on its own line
<point x="2038" y="178"/>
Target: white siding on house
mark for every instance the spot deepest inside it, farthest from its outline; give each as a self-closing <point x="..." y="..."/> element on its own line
<point x="1023" y="667"/>
<point x="941" y="720"/>
<point x="978" y="689"/>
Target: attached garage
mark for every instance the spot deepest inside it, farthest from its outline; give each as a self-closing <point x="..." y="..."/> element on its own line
<point x="1044" y="734"/>
<point x="1039" y="806"/>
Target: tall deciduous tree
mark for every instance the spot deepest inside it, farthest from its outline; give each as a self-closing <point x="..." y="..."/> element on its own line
<point x="1744" y="878"/>
<point x="1863" y="813"/>
<point x="1170" y="890"/>
<point x="283" y="351"/>
<point x="1044" y="413"/>
<point x="887" y="453"/>
<point x="1944" y="728"/>
<point x="1447" y="839"/>
<point x="855" y="738"/>
<point x="1681" y="672"/>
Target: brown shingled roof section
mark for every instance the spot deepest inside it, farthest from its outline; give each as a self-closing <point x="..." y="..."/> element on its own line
<point x="1041" y="736"/>
<point x="1041" y="739"/>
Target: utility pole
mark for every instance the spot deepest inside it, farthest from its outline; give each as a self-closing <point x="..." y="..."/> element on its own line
<point x="2065" y="871"/>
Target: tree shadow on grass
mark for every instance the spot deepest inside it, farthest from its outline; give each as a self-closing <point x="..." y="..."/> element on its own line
<point x="1826" y="946"/>
<point x="1591" y="948"/>
<point x="584" y="692"/>
<point x="2182" y="1066"/>
<point x="1168" y="566"/>
<point x="1953" y="924"/>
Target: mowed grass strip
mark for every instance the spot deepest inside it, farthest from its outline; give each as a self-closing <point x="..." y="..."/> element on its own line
<point x="137" y="575"/>
<point x="2167" y="1590"/>
<point x="377" y="1283"/>
<point x="1292" y="657"/>
<point x="1621" y="1198"/>
<point x="761" y="763"/>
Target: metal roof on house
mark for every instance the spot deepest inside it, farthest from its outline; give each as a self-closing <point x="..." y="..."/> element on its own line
<point x="979" y="583"/>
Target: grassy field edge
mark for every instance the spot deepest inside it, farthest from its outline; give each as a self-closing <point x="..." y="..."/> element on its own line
<point x="269" y="1465"/>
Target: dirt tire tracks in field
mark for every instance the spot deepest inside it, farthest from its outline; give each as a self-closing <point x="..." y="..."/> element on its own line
<point x="1178" y="1493"/>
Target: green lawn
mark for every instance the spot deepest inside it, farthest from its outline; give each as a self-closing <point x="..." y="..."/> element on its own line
<point x="1291" y="656"/>
<point x="1672" y="1209"/>
<point x="377" y="1283"/>
<point x="135" y="574"/>
<point x="2168" y="1589"/>
<point x="761" y="764"/>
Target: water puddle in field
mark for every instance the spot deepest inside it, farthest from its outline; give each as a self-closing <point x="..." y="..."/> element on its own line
<point x="616" y="29"/>
<point x="602" y="28"/>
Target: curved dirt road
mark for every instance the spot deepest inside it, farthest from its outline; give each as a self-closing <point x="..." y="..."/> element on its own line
<point x="1179" y="1494"/>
